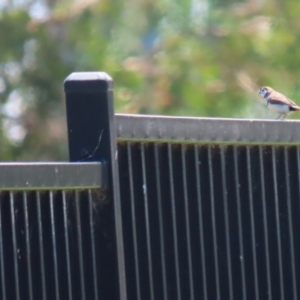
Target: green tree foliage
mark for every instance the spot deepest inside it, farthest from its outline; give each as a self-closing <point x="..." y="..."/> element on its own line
<point x="192" y="58"/>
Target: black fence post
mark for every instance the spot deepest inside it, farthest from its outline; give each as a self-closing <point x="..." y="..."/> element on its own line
<point x="91" y="132"/>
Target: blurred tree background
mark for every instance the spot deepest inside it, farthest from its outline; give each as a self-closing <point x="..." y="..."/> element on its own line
<point x="181" y="57"/>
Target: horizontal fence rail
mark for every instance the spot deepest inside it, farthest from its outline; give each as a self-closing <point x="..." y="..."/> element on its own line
<point x="39" y="176"/>
<point x="206" y="130"/>
<point x="210" y="207"/>
<point x="56" y="232"/>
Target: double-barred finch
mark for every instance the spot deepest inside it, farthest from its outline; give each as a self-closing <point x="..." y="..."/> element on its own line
<point x="277" y="102"/>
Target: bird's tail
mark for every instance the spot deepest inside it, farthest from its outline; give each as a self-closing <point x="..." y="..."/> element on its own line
<point x="294" y="107"/>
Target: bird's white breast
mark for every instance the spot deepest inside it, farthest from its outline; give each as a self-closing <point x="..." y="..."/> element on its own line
<point x="279" y="108"/>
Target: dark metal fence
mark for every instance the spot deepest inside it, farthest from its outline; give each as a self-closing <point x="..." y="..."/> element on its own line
<point x="54" y="238"/>
<point x="60" y="224"/>
<point x="154" y="208"/>
<point x="210" y="208"/>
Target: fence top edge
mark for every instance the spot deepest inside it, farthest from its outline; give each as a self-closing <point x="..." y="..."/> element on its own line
<point x="49" y="164"/>
<point x="206" y="130"/>
<point x="53" y="176"/>
<point x="88" y="82"/>
<point x="165" y="117"/>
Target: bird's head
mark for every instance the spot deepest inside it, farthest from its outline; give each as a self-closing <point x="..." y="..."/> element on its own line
<point x="265" y="91"/>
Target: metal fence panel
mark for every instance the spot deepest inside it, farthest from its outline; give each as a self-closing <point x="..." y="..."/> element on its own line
<point x="56" y="232"/>
<point x="56" y="245"/>
<point x="209" y="220"/>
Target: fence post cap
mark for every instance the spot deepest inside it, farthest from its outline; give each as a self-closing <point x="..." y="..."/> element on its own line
<point x="88" y="82"/>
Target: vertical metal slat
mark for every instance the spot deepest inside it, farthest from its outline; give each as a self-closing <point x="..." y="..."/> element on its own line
<point x="213" y="217"/>
<point x="41" y="246"/>
<point x="95" y="277"/>
<point x="15" y="247"/>
<point x="79" y="243"/>
<point x="174" y="221"/>
<point x="147" y="221"/>
<point x="290" y="222"/>
<point x="53" y="234"/>
<point x="2" y="268"/>
<point x="66" y="231"/>
<point x="265" y="221"/>
<point x="187" y="224"/>
<point x="298" y="168"/>
<point x="28" y="252"/>
<point x="160" y="220"/>
<point x="240" y="230"/>
<point x="226" y="214"/>
<point x="135" y="243"/>
<point x="253" y="238"/>
<point x="200" y="218"/>
<point x="277" y="224"/>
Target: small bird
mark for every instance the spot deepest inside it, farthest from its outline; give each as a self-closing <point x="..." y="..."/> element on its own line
<point x="277" y="102"/>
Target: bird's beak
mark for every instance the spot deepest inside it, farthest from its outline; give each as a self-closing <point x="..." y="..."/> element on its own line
<point x="258" y="92"/>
